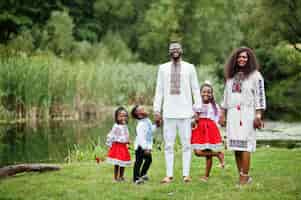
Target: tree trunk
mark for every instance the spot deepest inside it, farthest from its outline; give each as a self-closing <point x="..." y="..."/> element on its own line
<point x="14" y="169"/>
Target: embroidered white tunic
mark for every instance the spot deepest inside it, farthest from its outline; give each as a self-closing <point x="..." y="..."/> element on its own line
<point x="241" y="109"/>
<point x="207" y="111"/>
<point x="119" y="133"/>
<point x="177" y="105"/>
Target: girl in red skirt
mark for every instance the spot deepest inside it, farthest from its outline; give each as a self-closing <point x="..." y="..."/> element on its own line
<point x="118" y="140"/>
<point x="206" y="139"/>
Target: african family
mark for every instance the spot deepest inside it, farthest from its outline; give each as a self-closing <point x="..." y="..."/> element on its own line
<point x="181" y="106"/>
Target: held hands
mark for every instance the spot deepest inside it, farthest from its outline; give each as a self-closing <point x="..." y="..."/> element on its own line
<point x="194" y="122"/>
<point x="158" y="119"/>
<point x="147" y="152"/>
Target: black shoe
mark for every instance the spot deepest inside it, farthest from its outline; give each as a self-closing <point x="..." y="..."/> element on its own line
<point x="145" y="178"/>
<point x="139" y="181"/>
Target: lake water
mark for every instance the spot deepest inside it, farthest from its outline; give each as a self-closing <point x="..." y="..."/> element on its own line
<point x="51" y="142"/>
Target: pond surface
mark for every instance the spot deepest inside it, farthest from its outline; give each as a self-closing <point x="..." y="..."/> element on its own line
<point x="51" y="142"/>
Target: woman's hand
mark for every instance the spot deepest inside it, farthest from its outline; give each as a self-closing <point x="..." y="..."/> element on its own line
<point x="258" y="122"/>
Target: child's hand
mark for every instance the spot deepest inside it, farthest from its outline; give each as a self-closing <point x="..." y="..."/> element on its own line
<point x="222" y="119"/>
<point x="158" y="119"/>
<point x="147" y="151"/>
<point x="158" y="123"/>
<point x="194" y="124"/>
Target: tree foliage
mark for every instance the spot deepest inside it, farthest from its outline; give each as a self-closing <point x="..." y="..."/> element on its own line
<point x="95" y="31"/>
<point x="272" y="28"/>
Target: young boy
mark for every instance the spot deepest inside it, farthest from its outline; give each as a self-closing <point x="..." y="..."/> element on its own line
<point x="143" y="143"/>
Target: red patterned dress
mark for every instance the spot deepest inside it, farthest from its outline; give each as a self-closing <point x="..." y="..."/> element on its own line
<point x="117" y="140"/>
<point x="206" y="135"/>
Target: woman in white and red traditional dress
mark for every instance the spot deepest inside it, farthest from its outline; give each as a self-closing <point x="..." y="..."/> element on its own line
<point x="206" y="139"/>
<point x="243" y="104"/>
<point x="118" y="140"/>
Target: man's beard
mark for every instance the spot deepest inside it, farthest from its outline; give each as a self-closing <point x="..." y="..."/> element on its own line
<point x="176" y="58"/>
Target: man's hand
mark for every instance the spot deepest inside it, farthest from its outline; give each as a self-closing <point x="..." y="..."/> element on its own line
<point x="158" y="119"/>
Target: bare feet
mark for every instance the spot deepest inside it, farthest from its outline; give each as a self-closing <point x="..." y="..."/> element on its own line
<point x="204" y="179"/>
<point x="166" y="180"/>
<point x="244" y="179"/>
<point x="187" y="179"/>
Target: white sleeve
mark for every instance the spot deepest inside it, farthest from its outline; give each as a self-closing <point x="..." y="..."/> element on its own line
<point x="218" y="114"/>
<point x="141" y="130"/>
<point x="110" y="137"/>
<point x="260" y="100"/>
<point x="224" y="103"/>
<point x="195" y="88"/>
<point x="154" y="127"/>
<point x="159" y="91"/>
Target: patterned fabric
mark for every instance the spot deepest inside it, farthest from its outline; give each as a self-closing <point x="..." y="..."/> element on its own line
<point x="119" y="133"/>
<point x="207" y="111"/>
<point x="144" y="131"/>
<point x="206" y="135"/>
<point x="175" y="78"/>
<point x="177" y="106"/>
<point x="261" y="95"/>
<point x="241" y="110"/>
<point x="237" y="82"/>
<point x="119" y="155"/>
<point x="238" y="143"/>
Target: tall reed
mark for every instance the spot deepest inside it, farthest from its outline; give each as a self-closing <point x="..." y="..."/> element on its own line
<point x="41" y="79"/>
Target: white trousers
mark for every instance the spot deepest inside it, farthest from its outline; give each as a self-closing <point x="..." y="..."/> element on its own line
<point x="170" y="127"/>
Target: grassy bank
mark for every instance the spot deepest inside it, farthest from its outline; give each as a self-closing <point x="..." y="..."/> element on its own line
<point x="276" y="174"/>
<point x="38" y="84"/>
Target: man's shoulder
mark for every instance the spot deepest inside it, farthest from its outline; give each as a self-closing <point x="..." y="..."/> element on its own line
<point x="184" y="63"/>
<point x="165" y="64"/>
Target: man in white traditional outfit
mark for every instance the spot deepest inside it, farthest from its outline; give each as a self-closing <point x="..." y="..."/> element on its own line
<point x="177" y="87"/>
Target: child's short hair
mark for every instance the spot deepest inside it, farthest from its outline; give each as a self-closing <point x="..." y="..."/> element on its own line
<point x="117" y="111"/>
<point x="133" y="112"/>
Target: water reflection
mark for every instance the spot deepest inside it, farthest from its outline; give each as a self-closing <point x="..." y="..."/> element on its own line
<point x="47" y="142"/>
<point x="51" y="142"/>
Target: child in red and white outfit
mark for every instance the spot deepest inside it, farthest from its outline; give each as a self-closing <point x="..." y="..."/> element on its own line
<point x="206" y="140"/>
<point x="118" y="140"/>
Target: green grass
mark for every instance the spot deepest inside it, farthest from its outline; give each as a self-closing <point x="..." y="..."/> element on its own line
<point x="276" y="174"/>
<point x="42" y="79"/>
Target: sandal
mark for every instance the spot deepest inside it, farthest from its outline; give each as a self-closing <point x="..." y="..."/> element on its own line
<point x="249" y="180"/>
<point x="121" y="179"/>
<point x="166" y="180"/>
<point x="204" y="179"/>
<point x="187" y="179"/>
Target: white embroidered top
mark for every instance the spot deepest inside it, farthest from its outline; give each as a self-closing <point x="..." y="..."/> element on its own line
<point x="177" y="105"/>
<point x="119" y="133"/>
<point x="207" y="111"/>
<point x="252" y="93"/>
